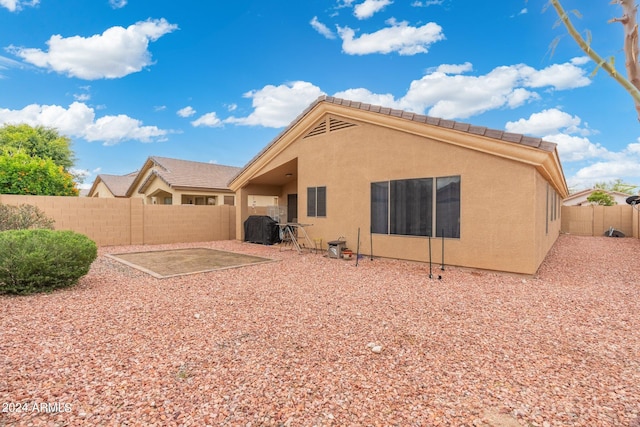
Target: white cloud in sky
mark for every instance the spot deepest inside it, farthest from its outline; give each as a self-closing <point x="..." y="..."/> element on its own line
<point x="443" y="92"/>
<point x="547" y="122"/>
<point x="368" y="8"/>
<point x="321" y="28"/>
<point x="398" y="37"/>
<point x="79" y="120"/>
<point x="187" y="111"/>
<point x="16" y="5"/>
<point x="117" y="4"/>
<point x="207" y="120"/>
<point x="427" y="3"/>
<point x="82" y="97"/>
<point x="277" y="106"/>
<point x="115" y="53"/>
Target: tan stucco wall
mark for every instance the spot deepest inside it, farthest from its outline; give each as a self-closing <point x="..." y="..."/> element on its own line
<point x="500" y="198"/>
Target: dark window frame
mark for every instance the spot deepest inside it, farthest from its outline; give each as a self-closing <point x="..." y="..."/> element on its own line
<point x="317" y="202"/>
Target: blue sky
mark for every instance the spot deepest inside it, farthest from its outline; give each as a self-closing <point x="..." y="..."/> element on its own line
<point x="216" y="81"/>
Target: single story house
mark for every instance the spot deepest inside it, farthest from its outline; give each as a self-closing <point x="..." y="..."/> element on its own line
<point x="109" y="186"/>
<point x="491" y="198"/>
<point x="167" y="181"/>
<point x="580" y="198"/>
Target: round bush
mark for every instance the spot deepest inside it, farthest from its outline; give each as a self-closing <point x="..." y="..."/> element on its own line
<point x="43" y="260"/>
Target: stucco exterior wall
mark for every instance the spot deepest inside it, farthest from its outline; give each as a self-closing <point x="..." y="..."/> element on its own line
<point x="497" y="196"/>
<point x="502" y="213"/>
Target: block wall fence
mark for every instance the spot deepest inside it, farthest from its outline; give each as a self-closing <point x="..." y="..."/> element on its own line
<point x="595" y="220"/>
<point x="119" y="221"/>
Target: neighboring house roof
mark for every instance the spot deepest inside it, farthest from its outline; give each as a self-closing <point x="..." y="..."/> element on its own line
<point x="184" y="174"/>
<point x="548" y="164"/>
<point x="117" y="184"/>
<point x="580" y="198"/>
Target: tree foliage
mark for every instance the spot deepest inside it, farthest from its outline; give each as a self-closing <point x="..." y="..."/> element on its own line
<point x="601" y="197"/>
<point x="35" y="160"/>
<point x="23" y="174"/>
<point x="39" y="141"/>
<point x="617" y="185"/>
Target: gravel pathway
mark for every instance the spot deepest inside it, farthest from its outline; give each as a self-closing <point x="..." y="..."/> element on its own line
<point x="292" y="343"/>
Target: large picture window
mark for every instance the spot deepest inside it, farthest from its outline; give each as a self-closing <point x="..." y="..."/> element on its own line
<point x="316" y="201"/>
<point x="413" y="207"/>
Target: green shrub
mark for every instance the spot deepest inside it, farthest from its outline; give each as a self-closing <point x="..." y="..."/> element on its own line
<point x="23" y="217"/>
<point x="43" y="260"/>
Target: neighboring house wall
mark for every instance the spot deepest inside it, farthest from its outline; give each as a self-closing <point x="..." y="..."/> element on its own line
<point x="127" y="221"/>
<point x="505" y="222"/>
<point x="156" y="191"/>
<point x="101" y="190"/>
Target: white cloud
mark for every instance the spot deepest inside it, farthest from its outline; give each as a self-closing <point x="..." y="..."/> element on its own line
<point x="557" y="126"/>
<point x="82" y="97"/>
<point x="321" y="28"/>
<point x="558" y="76"/>
<point x="208" y="120"/>
<point x="115" y="53"/>
<point x="427" y="3"/>
<point x="572" y="148"/>
<point x="16" y="5"/>
<point x="454" y="68"/>
<point x="449" y="95"/>
<point x="158" y="108"/>
<point x="6" y="63"/>
<point x="625" y="169"/>
<point x="232" y="107"/>
<point x="117" y="4"/>
<point x="546" y="122"/>
<point x="277" y="106"/>
<point x="399" y="37"/>
<point x="79" y="121"/>
<point x="368" y="8"/>
<point x="187" y="111"/>
<point x="366" y="96"/>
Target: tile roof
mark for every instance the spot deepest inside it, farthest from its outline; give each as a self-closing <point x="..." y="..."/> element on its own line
<point x="449" y="124"/>
<point x="516" y="138"/>
<point x="186" y="173"/>
<point x="118" y="184"/>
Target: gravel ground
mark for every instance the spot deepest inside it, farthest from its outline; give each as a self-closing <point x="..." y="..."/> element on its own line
<point x="290" y="343"/>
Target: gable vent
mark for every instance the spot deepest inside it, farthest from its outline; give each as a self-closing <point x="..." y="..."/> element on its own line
<point x="321" y="128"/>
<point x="335" y="124"/>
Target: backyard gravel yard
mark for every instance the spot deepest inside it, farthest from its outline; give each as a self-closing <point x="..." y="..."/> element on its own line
<point x="290" y="343"/>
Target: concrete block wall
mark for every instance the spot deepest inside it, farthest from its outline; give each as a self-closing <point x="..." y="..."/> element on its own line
<point x="120" y="221"/>
<point x="595" y="220"/>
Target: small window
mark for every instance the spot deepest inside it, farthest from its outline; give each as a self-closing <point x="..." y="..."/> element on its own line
<point x="317" y="201"/>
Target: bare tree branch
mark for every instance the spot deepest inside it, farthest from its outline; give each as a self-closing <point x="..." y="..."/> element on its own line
<point x="628" y="20"/>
